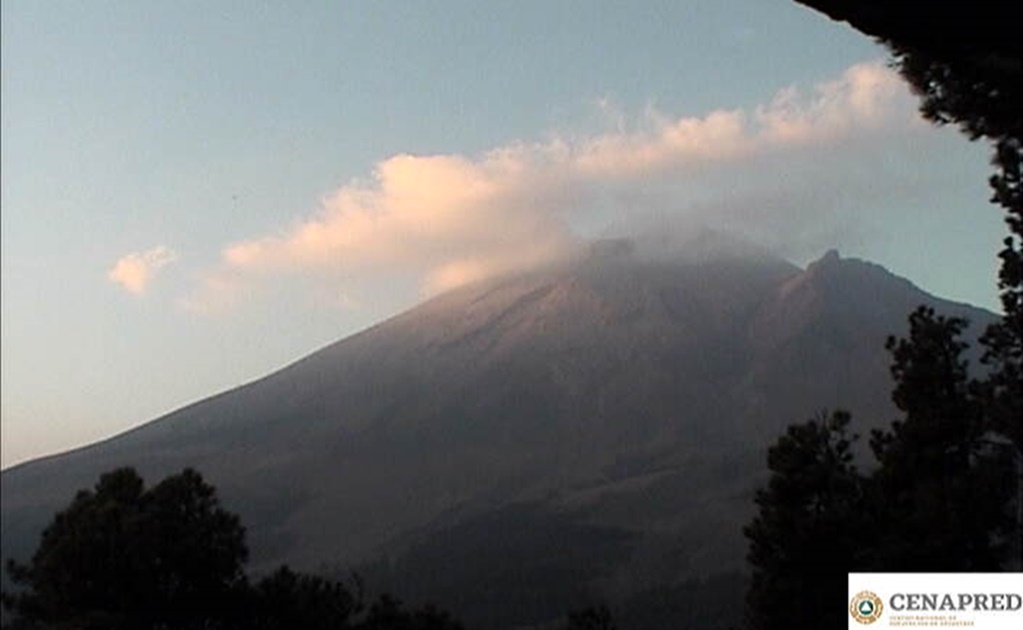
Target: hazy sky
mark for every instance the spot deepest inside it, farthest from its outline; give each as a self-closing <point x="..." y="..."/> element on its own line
<point x="197" y="193"/>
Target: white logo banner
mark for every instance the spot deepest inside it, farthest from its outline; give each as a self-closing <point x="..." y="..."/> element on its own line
<point x="985" y="601"/>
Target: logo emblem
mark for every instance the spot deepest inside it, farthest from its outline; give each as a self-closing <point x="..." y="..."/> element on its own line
<point x="866" y="607"/>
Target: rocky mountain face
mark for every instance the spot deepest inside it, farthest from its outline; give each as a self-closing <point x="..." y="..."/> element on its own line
<point x="515" y="448"/>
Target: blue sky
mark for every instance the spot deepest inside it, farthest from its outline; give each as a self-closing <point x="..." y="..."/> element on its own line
<point x="197" y="193"/>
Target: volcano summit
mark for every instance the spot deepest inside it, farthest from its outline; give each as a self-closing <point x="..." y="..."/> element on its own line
<point x="511" y="449"/>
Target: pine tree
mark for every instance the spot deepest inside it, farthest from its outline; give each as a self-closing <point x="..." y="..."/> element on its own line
<point x="121" y="556"/>
<point x="939" y="493"/>
<point x="807" y="532"/>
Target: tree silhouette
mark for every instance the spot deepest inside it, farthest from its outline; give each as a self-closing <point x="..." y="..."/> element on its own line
<point x="940" y="490"/>
<point x="935" y="502"/>
<point x="592" y="618"/>
<point x="966" y="64"/>
<point x="286" y="599"/>
<point x="808" y="528"/>
<point x="388" y="613"/>
<point x="121" y="556"/>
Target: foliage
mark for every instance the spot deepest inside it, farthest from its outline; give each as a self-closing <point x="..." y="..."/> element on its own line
<point x="122" y="557"/>
<point x="388" y="613"/>
<point x="969" y="72"/>
<point x="1003" y="342"/>
<point x="940" y="490"/>
<point x="805" y="534"/>
<point x="286" y="599"/>
<point x="935" y="502"/>
<point x="978" y="85"/>
<point x="966" y="65"/>
<point x="592" y="618"/>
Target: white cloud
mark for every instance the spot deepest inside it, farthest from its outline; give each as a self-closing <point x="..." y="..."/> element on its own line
<point x="135" y="271"/>
<point x="449" y="219"/>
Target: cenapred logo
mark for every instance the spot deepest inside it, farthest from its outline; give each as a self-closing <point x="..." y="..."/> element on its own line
<point x="865" y="607"/>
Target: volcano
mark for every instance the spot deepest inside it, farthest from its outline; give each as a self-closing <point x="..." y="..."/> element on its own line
<point x="590" y="432"/>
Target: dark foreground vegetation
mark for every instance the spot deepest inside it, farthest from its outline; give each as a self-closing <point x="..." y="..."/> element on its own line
<point x="946" y="491"/>
<point x="942" y="494"/>
<point x="124" y="557"/>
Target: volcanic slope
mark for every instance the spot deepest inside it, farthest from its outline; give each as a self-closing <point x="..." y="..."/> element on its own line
<point x="517" y="447"/>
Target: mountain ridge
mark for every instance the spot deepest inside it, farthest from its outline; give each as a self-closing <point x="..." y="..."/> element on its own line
<point x="619" y="404"/>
